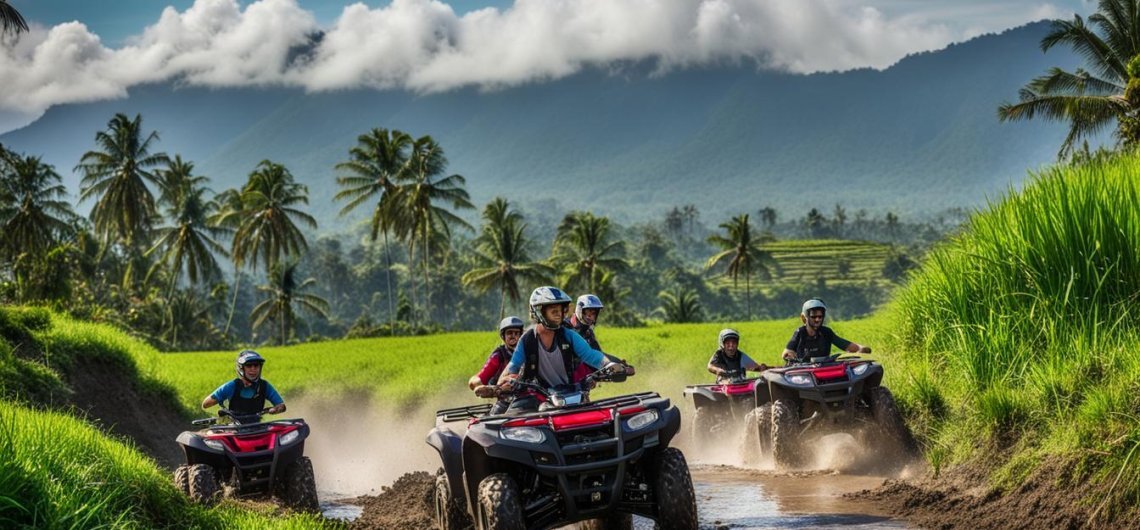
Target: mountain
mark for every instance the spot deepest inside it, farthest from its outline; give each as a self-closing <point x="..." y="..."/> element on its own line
<point x="630" y="142"/>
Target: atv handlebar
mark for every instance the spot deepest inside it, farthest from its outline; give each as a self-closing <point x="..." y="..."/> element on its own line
<point x="608" y="374"/>
<point x="251" y="417"/>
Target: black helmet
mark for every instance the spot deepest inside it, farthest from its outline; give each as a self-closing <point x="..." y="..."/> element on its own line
<point x="248" y="357"/>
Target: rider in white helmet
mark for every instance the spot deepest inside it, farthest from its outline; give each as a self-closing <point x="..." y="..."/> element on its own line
<point x="510" y="329"/>
<point x="728" y="362"/>
<point x="550" y="353"/>
<point x="814" y="339"/>
<point x="247" y="394"/>
<point x="586" y="312"/>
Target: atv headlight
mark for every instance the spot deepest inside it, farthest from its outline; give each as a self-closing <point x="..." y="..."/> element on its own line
<point x="798" y="379"/>
<point x="529" y="435"/>
<point x="859" y="369"/>
<point x="289" y="437"/>
<point x="216" y="445"/>
<point x="641" y="420"/>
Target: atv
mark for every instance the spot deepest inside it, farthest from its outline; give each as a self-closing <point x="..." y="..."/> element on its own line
<point x="572" y="460"/>
<point x="807" y="399"/>
<point x="722" y="404"/>
<point x="247" y="458"/>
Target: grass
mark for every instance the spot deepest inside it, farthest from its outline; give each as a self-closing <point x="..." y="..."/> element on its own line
<point x="1027" y="322"/>
<point x="803" y="261"/>
<point x="57" y="471"/>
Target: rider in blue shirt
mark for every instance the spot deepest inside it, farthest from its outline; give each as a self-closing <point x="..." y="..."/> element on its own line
<point x="247" y="394"/>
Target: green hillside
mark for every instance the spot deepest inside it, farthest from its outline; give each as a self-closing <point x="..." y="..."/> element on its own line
<point x="840" y="262"/>
<point x="1019" y="338"/>
<point x="58" y="470"/>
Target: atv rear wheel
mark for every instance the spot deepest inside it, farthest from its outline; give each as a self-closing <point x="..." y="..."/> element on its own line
<point x="182" y="479"/>
<point x="785" y="434"/>
<point x="757" y="434"/>
<point x="300" y="491"/>
<point x="890" y="422"/>
<point x="450" y="513"/>
<point x="614" y="521"/>
<point x="500" y="507"/>
<point x="202" y="484"/>
<point x="676" y="502"/>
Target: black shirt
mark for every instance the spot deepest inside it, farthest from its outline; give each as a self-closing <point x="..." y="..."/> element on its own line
<point x="807" y="346"/>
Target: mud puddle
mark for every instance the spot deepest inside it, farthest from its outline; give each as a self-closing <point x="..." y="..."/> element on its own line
<point x="749" y="499"/>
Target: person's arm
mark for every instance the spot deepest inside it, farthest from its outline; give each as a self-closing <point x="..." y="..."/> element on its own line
<point x="615" y="359"/>
<point x="220" y="395"/>
<point x="790" y="350"/>
<point x="484" y="376"/>
<point x="274" y="398"/>
<point x="590" y="356"/>
<point x="848" y="346"/>
<point x="713" y="367"/>
<point x="518" y="359"/>
<point x="748" y="364"/>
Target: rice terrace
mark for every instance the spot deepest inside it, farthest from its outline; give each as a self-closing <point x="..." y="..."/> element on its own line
<point x="530" y="264"/>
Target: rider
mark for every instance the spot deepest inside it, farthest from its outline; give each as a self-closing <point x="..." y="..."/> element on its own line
<point x="549" y="353"/>
<point x="247" y="393"/>
<point x="585" y="317"/>
<point x="728" y="361"/>
<point x="814" y="339"/>
<point x="510" y="329"/>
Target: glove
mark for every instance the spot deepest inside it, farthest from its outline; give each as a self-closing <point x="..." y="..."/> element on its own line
<point x="486" y="391"/>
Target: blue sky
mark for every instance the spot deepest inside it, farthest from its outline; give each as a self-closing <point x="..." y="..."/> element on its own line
<point x="88" y="50"/>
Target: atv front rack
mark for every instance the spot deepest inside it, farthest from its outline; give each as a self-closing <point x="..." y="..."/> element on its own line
<point x="462" y="413"/>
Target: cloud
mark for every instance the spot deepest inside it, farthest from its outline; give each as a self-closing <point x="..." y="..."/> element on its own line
<point x="424" y="46"/>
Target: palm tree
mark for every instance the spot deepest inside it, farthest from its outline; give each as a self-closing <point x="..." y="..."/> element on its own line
<point x="420" y="190"/>
<point x="228" y="210"/>
<point x="583" y="243"/>
<point x="117" y="177"/>
<point x="371" y="174"/>
<point x="284" y="291"/>
<point x="10" y="19"/>
<point x="1090" y="99"/>
<point x="680" y="304"/>
<point x="743" y="253"/>
<point x="32" y="215"/>
<point x="190" y="242"/>
<point x="503" y="255"/>
<point x="267" y="230"/>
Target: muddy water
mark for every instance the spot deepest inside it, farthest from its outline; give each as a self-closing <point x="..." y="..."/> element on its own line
<point x="745" y="499"/>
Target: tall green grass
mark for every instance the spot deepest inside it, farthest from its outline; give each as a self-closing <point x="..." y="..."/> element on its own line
<point x="1028" y="323"/>
<point x="58" y="472"/>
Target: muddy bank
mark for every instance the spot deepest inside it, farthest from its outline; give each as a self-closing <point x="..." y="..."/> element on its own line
<point x="962" y="498"/>
<point x="406" y="504"/>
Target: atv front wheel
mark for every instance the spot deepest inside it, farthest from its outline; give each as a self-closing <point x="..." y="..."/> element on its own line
<point x="300" y="492"/>
<point x="757" y="434"/>
<point x="203" y="484"/>
<point x="450" y="513"/>
<point x="676" y="502"/>
<point x="615" y="521"/>
<point x="182" y="479"/>
<point x="706" y="425"/>
<point x="499" y="505"/>
<point x="785" y="434"/>
<point x="890" y="422"/>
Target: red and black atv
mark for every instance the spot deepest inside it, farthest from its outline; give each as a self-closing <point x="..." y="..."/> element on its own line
<point x="247" y="458"/>
<point x="721" y="405"/>
<point x="573" y="460"/>
<point x="805" y="400"/>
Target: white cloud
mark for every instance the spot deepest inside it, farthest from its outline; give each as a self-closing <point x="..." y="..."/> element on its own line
<point x="423" y="45"/>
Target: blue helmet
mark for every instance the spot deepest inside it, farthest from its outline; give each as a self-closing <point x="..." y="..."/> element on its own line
<point x="248" y="357"/>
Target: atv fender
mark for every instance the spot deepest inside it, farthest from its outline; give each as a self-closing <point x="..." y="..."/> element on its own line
<point x="450" y="448"/>
<point x="197" y="452"/>
<point x="672" y="418"/>
<point x="701" y="396"/>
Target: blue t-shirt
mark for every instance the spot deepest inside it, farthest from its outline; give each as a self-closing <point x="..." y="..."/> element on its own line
<point x="226" y="391"/>
<point x="584" y="352"/>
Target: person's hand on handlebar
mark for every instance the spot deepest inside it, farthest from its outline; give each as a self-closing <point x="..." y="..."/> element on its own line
<point x="507" y="382"/>
<point x="276" y="409"/>
<point x="486" y="391"/>
<point x="865" y="349"/>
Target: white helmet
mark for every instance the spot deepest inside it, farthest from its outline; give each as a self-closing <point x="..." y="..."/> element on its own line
<point x="814" y="303"/>
<point x="544" y="296"/>
<point x="587" y="301"/>
<point x="511" y="322"/>
<point x="725" y="334"/>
